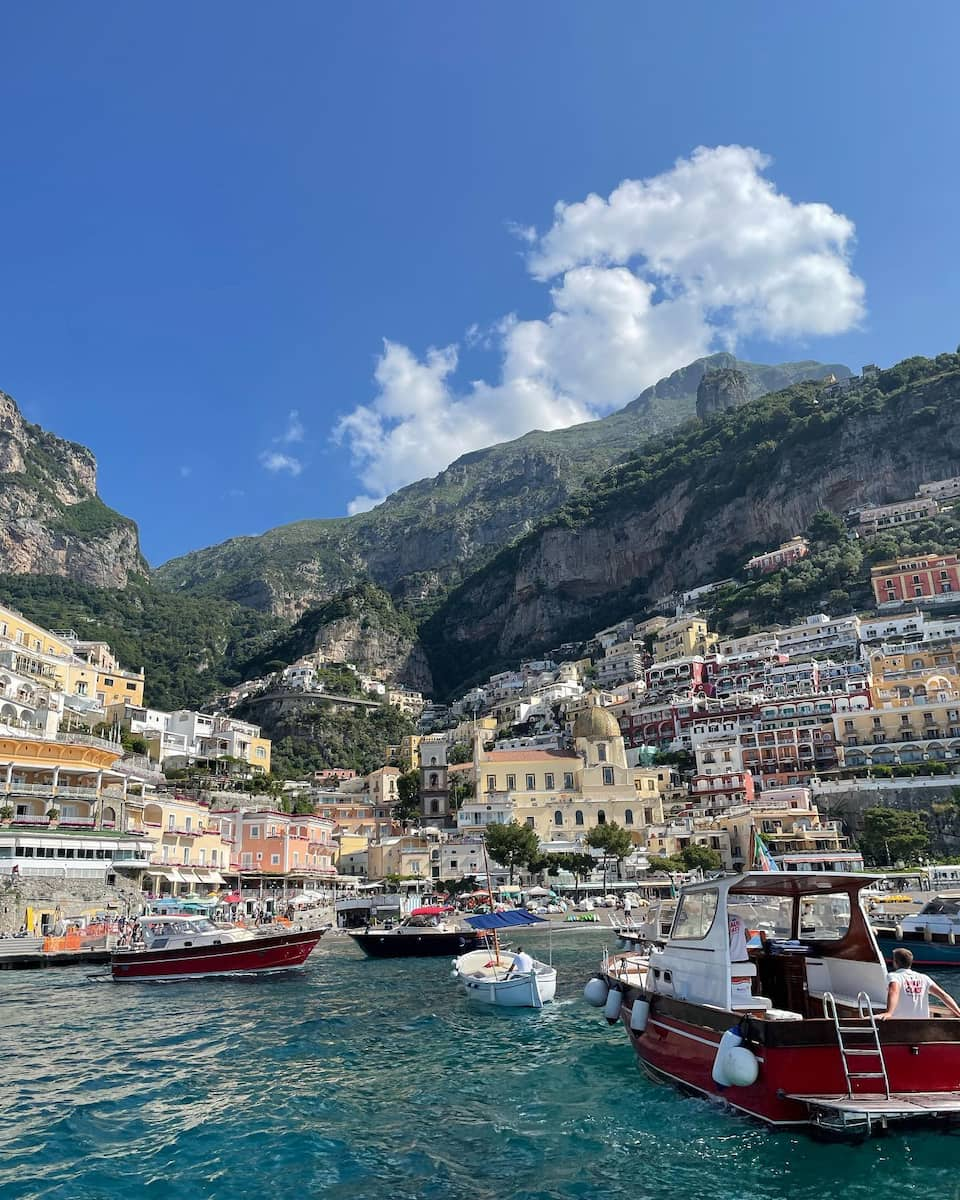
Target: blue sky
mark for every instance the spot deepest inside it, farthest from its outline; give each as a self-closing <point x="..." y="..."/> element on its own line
<point x="213" y="216"/>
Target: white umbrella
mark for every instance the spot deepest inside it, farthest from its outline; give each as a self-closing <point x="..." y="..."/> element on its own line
<point x="537" y="891"/>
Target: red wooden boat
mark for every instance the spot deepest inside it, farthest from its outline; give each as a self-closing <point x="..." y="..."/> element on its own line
<point x="781" y="1024"/>
<point x="182" y="947"/>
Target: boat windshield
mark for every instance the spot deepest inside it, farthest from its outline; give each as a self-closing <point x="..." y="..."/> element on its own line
<point x="823" y="917"/>
<point x="179" y="928"/>
<point x="941" y="908"/>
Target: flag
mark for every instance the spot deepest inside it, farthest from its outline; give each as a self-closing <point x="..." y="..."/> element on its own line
<point x="762" y="859"/>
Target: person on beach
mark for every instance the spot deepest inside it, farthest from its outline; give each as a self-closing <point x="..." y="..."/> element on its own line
<point x="908" y="991"/>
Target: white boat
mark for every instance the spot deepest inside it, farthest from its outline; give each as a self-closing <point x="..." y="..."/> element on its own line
<point x="489" y="978"/>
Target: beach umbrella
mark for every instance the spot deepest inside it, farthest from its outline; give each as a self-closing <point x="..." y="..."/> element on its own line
<point x="537" y="891"/>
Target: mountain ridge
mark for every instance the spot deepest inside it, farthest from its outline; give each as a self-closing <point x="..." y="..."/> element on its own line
<point x="430" y="534"/>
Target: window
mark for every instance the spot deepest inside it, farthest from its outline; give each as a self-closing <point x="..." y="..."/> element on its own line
<point x="107" y="682"/>
<point x="275" y="860"/>
<point x="186" y="856"/>
<point x="568" y="780"/>
<point x="261" y="752"/>
<point x="189" y="823"/>
<point x="608" y="776"/>
<point x="557" y="817"/>
<point x="602" y="752"/>
<point x="491" y="783"/>
<point x="254" y="831"/>
<point x="248" y="860"/>
<point x="549" y="781"/>
<point x="81" y="687"/>
<point x="511" y="783"/>
<point x="531" y="783"/>
<point x="628" y="816"/>
<point x="131" y="687"/>
<point x="171" y="821"/>
<point x="578" y="817"/>
<point x="695" y="915"/>
<point x="601" y="817"/>
<point x="531" y="823"/>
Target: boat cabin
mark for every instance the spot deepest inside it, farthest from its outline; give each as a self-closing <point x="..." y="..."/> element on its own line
<point x="770" y="945"/>
<point x="167" y="932"/>
<point x="940" y="915"/>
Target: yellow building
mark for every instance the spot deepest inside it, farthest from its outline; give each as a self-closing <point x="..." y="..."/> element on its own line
<point x="912" y="674"/>
<point x="86" y="669"/>
<point x="189" y="851"/>
<point x="911" y="731"/>
<point x="404" y="855"/>
<point x="683" y="638"/>
<point x="72" y="775"/>
<point x="563" y="794"/>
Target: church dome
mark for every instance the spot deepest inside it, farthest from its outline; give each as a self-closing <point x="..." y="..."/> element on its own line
<point x="596" y="722"/>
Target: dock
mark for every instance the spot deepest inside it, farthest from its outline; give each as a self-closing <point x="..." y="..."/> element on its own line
<point x="36" y="953"/>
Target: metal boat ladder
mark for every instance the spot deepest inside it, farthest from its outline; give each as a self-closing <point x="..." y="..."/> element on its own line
<point x="867" y="1047"/>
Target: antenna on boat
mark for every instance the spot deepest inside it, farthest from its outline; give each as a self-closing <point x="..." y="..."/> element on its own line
<point x="486" y="867"/>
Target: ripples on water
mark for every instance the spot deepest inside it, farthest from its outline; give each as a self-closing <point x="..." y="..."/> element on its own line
<point x="375" y="1081"/>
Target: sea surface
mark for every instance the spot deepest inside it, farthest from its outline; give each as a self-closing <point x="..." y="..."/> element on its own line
<point x="374" y="1080"/>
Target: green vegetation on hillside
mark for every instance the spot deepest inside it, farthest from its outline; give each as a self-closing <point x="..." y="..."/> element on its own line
<point x="834" y="578"/>
<point x="315" y="739"/>
<point x="189" y="646"/>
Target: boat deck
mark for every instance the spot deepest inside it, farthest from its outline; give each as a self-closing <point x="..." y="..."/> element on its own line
<point x="899" y="1104"/>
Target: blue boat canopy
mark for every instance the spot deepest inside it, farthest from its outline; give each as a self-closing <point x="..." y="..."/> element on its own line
<point x="504" y="920"/>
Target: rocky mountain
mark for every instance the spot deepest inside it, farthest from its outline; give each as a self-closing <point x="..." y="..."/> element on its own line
<point x="720" y="389"/>
<point x="52" y="521"/>
<point x="427" y="536"/>
<point x="360" y="626"/>
<point x="693" y="508"/>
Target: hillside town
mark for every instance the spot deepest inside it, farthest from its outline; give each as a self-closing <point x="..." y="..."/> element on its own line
<point x="658" y="727"/>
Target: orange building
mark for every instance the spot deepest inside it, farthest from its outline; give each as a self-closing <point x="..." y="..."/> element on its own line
<point x="269" y="844"/>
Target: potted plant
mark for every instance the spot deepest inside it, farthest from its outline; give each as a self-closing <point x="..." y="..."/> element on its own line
<point x="6" y="813"/>
<point x="53" y="815"/>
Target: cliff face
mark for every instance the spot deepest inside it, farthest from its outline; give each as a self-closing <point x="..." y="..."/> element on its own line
<point x="693" y="513"/>
<point x="52" y="521"/>
<point x="721" y="389"/>
<point x="426" y="537"/>
<point x="360" y="626"/>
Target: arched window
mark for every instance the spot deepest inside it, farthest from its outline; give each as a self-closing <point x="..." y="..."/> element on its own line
<point x="558" y="817"/>
<point x="578" y="818"/>
<point x="434" y="779"/>
<point x="628" y="816"/>
<point x="601" y="817"/>
<point x="434" y="806"/>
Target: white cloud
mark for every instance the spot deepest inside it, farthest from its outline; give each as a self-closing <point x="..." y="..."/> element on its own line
<point x="294" y="431"/>
<point x="660" y="272"/>
<point x="273" y="460"/>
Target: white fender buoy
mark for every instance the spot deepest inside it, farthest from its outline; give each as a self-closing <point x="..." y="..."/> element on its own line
<point x="595" y="993"/>
<point x="639" y="1015"/>
<point x="730" y="1041"/>
<point x="611" y="1010"/>
<point x="741" y="1067"/>
<point x="951" y="938"/>
<point x="898" y="931"/>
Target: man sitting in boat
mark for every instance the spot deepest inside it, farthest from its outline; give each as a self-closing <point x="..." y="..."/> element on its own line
<point x="908" y="991"/>
<point x="522" y="963"/>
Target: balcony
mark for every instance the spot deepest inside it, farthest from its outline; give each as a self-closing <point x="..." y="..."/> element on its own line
<point x="73" y="792"/>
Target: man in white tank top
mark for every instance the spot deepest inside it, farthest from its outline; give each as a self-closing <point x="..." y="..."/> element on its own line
<point x="908" y="991"/>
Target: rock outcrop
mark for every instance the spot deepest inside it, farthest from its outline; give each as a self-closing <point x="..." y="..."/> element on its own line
<point x="721" y="389"/>
<point x="52" y="522"/>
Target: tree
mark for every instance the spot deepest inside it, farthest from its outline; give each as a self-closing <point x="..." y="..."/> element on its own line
<point x="696" y="857"/>
<point x="826" y="528"/>
<point x="512" y="845"/>
<point x="459" y="752"/>
<point x="408" y="797"/>
<point x="891" y="835"/>
<point x="615" y="842"/>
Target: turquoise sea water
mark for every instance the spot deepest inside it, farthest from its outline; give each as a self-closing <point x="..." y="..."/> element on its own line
<point x="375" y="1081"/>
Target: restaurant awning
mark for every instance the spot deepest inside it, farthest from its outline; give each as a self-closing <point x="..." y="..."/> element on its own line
<point x="210" y="877"/>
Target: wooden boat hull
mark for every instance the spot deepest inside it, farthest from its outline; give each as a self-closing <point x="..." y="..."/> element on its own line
<point x="270" y="953"/>
<point x="387" y="943"/>
<point x="801" y="1081"/>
